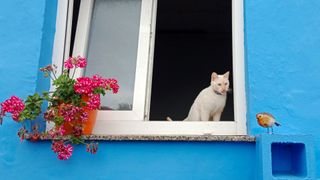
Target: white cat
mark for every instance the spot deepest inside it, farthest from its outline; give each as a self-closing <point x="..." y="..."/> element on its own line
<point x="211" y="101"/>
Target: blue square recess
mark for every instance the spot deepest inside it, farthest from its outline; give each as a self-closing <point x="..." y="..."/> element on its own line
<point x="282" y="157"/>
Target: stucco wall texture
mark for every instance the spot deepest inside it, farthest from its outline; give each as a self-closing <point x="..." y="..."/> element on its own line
<point x="282" y="54"/>
<point x="282" y="59"/>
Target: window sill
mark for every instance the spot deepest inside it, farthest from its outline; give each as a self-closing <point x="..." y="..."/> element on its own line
<point x="211" y="138"/>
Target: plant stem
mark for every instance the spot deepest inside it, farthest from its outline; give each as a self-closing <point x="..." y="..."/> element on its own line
<point x="54" y="74"/>
<point x="74" y="71"/>
<point x="51" y="77"/>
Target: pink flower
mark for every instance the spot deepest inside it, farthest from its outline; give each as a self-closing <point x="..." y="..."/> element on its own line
<point x="98" y="81"/>
<point x="22" y="133"/>
<point x="92" y="147"/>
<point x="15" y="116"/>
<point x="113" y="84"/>
<point x="50" y="114"/>
<point x="53" y="133"/>
<point x="65" y="153"/>
<point x="13" y="105"/>
<point x="69" y="112"/>
<point x="69" y="63"/>
<point x="77" y="131"/>
<point x="81" y="62"/>
<point x="84" y="85"/>
<point x="72" y="62"/>
<point x="84" y="116"/>
<point x="57" y="146"/>
<point x="94" y="101"/>
<point x="61" y="130"/>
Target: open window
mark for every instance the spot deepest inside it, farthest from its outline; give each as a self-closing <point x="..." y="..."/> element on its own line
<point x="162" y="53"/>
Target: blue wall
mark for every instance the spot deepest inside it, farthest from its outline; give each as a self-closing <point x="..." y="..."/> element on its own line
<point x="282" y="45"/>
<point x="131" y="160"/>
<point x="282" y="42"/>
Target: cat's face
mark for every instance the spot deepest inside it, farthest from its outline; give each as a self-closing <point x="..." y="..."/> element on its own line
<point x="220" y="83"/>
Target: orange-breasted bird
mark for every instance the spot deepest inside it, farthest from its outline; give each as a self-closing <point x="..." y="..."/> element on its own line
<point x="267" y="120"/>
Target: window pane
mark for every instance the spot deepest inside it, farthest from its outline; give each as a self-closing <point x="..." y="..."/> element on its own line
<point x="112" y="48"/>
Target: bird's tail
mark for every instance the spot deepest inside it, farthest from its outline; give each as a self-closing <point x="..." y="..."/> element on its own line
<point x="277" y="124"/>
<point x="168" y="119"/>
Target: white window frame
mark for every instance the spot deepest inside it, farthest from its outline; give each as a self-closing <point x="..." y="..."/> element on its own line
<point x="135" y="122"/>
<point x="80" y="48"/>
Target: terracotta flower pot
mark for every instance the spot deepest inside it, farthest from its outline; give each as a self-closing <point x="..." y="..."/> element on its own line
<point x="89" y="124"/>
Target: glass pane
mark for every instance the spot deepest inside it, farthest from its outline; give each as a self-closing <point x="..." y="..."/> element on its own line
<point x="112" y="48"/>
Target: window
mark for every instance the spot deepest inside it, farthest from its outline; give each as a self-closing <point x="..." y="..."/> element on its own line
<point x="143" y="43"/>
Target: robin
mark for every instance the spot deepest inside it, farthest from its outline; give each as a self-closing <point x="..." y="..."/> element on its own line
<point x="267" y="120"/>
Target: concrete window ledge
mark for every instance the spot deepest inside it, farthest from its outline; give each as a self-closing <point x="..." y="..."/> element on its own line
<point x="217" y="138"/>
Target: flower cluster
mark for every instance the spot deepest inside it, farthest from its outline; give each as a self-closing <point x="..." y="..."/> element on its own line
<point x="73" y="62"/>
<point x="69" y="107"/>
<point x="49" y="68"/>
<point x="72" y="113"/>
<point x="64" y="151"/>
<point x="92" y="147"/>
<point x="83" y="85"/>
<point x="13" y="105"/>
<point x="94" y="101"/>
<point x="50" y="114"/>
<point x="87" y="85"/>
<point x="113" y="84"/>
<point x="22" y="133"/>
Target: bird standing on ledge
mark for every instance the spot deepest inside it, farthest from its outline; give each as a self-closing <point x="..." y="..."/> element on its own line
<point x="266" y="120"/>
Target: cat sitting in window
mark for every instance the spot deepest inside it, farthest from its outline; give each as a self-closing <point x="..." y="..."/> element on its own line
<point x="211" y="101"/>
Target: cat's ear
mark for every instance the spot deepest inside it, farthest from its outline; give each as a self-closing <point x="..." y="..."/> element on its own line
<point x="226" y="75"/>
<point x="214" y="76"/>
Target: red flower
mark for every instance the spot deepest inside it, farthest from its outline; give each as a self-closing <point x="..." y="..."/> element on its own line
<point x="22" y="133"/>
<point x="61" y="131"/>
<point x="64" y="151"/>
<point x="57" y="146"/>
<point x="94" y="101"/>
<point x="77" y="131"/>
<point x="84" y="85"/>
<point x="68" y="64"/>
<point x="34" y="137"/>
<point x="84" y="116"/>
<point x="13" y="105"/>
<point x="69" y="112"/>
<point x="113" y="84"/>
<point x="81" y="62"/>
<point x="72" y="62"/>
<point x="92" y="147"/>
<point x="98" y="81"/>
<point x="50" y="114"/>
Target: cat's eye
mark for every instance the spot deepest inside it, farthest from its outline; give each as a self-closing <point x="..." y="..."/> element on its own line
<point x="226" y="84"/>
<point x="219" y="84"/>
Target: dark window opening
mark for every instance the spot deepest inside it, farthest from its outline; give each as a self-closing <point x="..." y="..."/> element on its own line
<point x="75" y="15"/>
<point x="193" y="39"/>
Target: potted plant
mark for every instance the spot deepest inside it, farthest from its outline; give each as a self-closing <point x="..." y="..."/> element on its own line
<point x="72" y="108"/>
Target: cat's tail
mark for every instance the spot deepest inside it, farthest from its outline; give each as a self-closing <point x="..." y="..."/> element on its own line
<point x="168" y="119"/>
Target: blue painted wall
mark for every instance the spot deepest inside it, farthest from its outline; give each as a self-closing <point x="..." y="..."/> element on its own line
<point x="282" y="45"/>
<point x="282" y="42"/>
